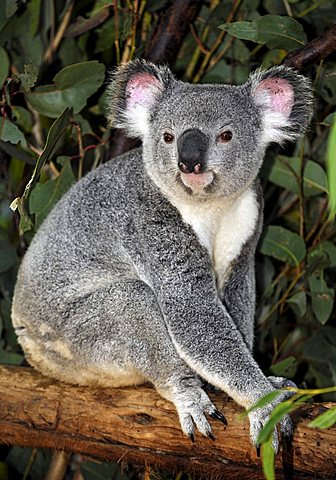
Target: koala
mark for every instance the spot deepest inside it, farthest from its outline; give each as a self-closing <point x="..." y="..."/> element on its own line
<point x="144" y="270"/>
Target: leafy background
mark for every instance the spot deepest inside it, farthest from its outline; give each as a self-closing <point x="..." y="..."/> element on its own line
<point x="57" y="54"/>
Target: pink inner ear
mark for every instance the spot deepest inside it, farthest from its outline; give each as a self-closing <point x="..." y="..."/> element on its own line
<point x="281" y="93"/>
<point x="141" y="89"/>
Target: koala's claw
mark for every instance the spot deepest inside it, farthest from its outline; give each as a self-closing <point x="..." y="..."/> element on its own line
<point x="217" y="415"/>
<point x="258" y="450"/>
<point x="192" y="438"/>
<point x="211" y="436"/>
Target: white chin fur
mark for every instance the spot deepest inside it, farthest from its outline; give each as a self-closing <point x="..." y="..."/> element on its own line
<point x="197" y="181"/>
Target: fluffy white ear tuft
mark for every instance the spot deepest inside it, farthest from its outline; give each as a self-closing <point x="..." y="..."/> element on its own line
<point x="286" y="103"/>
<point x="141" y="93"/>
<point x="133" y="92"/>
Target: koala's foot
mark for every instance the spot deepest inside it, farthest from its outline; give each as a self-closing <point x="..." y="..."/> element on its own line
<point x="281" y="382"/>
<point x="193" y="405"/>
<point x="259" y="417"/>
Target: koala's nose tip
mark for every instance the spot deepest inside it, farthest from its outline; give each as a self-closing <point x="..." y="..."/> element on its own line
<point x="189" y="168"/>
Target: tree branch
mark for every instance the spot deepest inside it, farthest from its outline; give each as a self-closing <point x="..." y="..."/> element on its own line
<point x="315" y="51"/>
<point x="139" y="426"/>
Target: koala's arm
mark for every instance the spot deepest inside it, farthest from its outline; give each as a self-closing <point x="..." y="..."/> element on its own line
<point x="203" y="333"/>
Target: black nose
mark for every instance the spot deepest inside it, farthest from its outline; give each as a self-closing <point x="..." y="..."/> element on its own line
<point x="192" y="146"/>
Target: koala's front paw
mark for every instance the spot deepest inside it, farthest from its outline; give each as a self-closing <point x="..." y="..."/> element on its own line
<point x="259" y="417"/>
<point x="192" y="405"/>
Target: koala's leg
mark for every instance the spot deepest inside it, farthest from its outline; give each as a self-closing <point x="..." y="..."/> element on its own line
<point x="122" y="328"/>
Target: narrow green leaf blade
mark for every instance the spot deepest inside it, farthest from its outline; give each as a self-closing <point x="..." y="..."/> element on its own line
<point x="4" y="66"/>
<point x="325" y="420"/>
<point x="268" y="459"/>
<point x="331" y="170"/>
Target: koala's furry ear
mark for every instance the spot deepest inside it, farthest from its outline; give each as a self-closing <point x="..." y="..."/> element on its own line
<point x="286" y="101"/>
<point x="134" y="89"/>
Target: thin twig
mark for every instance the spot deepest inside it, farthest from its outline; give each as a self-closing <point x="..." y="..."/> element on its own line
<point x="206" y="61"/>
<point x="200" y="45"/>
<point x="59" y="35"/>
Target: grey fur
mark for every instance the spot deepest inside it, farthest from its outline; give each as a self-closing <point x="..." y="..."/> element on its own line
<point x="117" y="288"/>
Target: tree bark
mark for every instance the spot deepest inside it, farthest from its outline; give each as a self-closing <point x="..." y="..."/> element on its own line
<point x="315" y="51"/>
<point x="136" y="425"/>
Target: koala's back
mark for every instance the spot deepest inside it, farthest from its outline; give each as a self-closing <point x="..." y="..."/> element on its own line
<point x="76" y="251"/>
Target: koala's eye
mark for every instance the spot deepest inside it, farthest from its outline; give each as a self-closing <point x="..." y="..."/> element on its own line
<point x="168" y="137"/>
<point x="225" y="137"/>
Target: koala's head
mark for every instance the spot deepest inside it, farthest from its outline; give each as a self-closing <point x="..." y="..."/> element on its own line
<point x="207" y="140"/>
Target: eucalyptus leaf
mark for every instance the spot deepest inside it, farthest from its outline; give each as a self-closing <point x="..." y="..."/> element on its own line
<point x="284" y="245"/>
<point x="276" y="415"/>
<point x="34" y="7"/>
<point x="73" y="85"/>
<point x="285" y="172"/>
<point x="331" y="169"/>
<point x="286" y="367"/>
<point x="4" y="66"/>
<point x="55" y="134"/>
<point x="268" y="459"/>
<point x="11" y="133"/>
<point x="325" y="420"/>
<point x="274" y="31"/>
<point x="322" y="297"/>
<point x="82" y="25"/>
<point x="44" y="196"/>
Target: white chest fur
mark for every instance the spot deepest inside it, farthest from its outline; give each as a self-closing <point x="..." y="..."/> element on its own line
<point x="222" y="226"/>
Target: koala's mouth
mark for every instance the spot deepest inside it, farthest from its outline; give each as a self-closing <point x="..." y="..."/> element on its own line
<point x="196" y="182"/>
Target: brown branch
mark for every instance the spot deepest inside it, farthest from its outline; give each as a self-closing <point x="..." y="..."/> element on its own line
<point x="163" y="47"/>
<point x="315" y="51"/>
<point x="138" y="426"/>
<point x="171" y="29"/>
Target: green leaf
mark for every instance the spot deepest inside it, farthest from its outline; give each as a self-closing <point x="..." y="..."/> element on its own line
<point x="23" y="118"/>
<point x="330" y="250"/>
<point x="44" y="196"/>
<point x="298" y="303"/>
<point x="285" y="172"/>
<point x="82" y="25"/>
<point x="265" y="400"/>
<point x="4" y="66"/>
<point x="284" y="245"/>
<point x="274" y="31"/>
<point x="285" y="368"/>
<point x="325" y="420"/>
<point x="277" y="31"/>
<point x="331" y="170"/>
<point x="322" y="297"/>
<point x="276" y="415"/>
<point x="55" y="134"/>
<point x="11" y="7"/>
<point x="11" y="133"/>
<point x="242" y="30"/>
<point x="29" y="77"/>
<point x="268" y="459"/>
<point x="34" y="7"/>
<point x="73" y="86"/>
